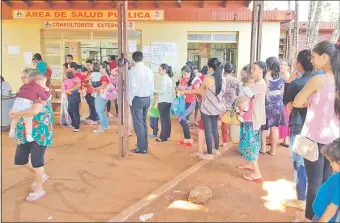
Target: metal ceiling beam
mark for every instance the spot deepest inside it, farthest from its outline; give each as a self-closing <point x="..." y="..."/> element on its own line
<point x="157" y="4"/>
<point x="179" y="3"/>
<point x="91" y="3"/>
<point x="7" y="2"/>
<point x="49" y="3"/>
<point x="70" y="3"/>
<point x="27" y="3"/>
<point x="114" y="4"/>
<point x="225" y="3"/>
<point x="202" y="4"/>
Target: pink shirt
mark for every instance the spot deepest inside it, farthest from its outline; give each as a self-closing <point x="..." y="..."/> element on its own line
<point x="248" y="116"/>
<point x="69" y="83"/>
<point x="321" y="124"/>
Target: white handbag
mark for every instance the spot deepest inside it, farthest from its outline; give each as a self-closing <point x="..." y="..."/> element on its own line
<point x="306" y="148"/>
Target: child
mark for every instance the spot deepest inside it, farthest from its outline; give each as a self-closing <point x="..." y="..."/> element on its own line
<point x="246" y="93"/>
<point x="73" y="99"/>
<point x="154" y="116"/>
<point x="327" y="200"/>
<point x="28" y="93"/>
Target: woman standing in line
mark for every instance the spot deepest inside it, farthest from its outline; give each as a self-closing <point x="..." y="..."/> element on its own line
<point x="321" y="95"/>
<point x="165" y="101"/>
<point x="231" y="93"/>
<point x="254" y="118"/>
<point x="213" y="90"/>
<point x="31" y="154"/>
<point x="274" y="106"/>
<point x="190" y="102"/>
<point x="284" y="130"/>
<point x="100" y="103"/>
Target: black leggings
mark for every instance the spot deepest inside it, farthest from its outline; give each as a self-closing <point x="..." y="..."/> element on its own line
<point x="211" y="131"/>
<point x="108" y="106"/>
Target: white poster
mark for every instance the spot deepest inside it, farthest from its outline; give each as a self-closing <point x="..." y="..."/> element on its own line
<point x="13" y="50"/>
<point x="132" y="46"/>
<point x="28" y="56"/>
<point x="146" y="50"/>
<point x="163" y="52"/>
<point x="146" y="57"/>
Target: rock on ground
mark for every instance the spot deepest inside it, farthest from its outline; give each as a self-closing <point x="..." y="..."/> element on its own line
<point x="200" y="194"/>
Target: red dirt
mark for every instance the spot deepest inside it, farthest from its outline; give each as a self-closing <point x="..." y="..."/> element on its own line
<point x="87" y="182"/>
<point x="233" y="198"/>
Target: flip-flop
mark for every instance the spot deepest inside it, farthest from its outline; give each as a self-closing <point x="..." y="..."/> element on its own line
<point x="262" y="152"/>
<point x="244" y="168"/>
<point x="268" y="152"/>
<point x="34" y="197"/>
<point x="205" y="157"/>
<point x="285" y="145"/>
<point x="45" y="177"/>
<point x="258" y="180"/>
<point x="196" y="154"/>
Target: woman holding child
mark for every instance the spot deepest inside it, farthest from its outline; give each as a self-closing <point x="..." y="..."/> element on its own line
<point x="32" y="153"/>
<point x="99" y="82"/>
<point x="254" y="118"/>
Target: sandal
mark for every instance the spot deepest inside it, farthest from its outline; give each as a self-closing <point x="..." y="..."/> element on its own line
<point x="35" y="196"/>
<point x="196" y="154"/>
<point x="270" y="153"/>
<point x="181" y="142"/>
<point x="244" y="168"/>
<point x="188" y="145"/>
<point x="250" y="179"/>
<point x="263" y="152"/>
<point x="45" y="177"/>
<point x="285" y="145"/>
<point x="206" y="157"/>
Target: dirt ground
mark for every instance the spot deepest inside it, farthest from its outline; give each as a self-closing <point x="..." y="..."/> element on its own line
<point x="87" y="182"/>
<point x="233" y="198"/>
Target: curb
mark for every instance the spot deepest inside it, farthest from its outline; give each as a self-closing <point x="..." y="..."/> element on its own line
<point x="128" y="212"/>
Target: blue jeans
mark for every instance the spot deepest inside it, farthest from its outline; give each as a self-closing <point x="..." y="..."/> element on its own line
<point x="100" y="104"/>
<point x="299" y="171"/>
<point x="154" y="125"/>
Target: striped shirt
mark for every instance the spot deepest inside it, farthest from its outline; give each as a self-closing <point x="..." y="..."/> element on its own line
<point x="212" y="104"/>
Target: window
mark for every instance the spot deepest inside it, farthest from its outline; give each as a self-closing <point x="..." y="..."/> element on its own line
<point x="213" y="37"/>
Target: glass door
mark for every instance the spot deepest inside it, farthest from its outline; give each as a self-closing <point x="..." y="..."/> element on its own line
<point x="54" y="51"/>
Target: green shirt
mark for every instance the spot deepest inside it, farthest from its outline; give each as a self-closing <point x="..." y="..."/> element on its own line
<point x="154" y="112"/>
<point x="42" y="128"/>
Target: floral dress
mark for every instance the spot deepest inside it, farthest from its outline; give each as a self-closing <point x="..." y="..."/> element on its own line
<point x="274" y="104"/>
<point x="42" y="129"/>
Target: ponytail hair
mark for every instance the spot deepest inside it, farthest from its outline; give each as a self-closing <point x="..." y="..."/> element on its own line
<point x="274" y="65"/>
<point x="216" y="65"/>
<point x="333" y="51"/>
<point x="168" y="69"/>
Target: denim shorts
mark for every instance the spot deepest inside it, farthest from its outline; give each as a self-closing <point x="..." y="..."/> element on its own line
<point x="37" y="154"/>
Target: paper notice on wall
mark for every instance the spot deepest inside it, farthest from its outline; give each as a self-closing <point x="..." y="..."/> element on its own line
<point x="163" y="52"/>
<point x="132" y="46"/>
<point x="146" y="57"/>
<point x="13" y="50"/>
<point x="146" y="50"/>
<point x="28" y="56"/>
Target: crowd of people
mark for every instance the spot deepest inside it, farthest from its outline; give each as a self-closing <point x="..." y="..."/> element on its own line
<point x="271" y="104"/>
